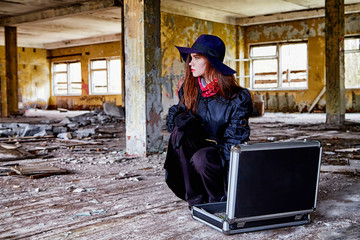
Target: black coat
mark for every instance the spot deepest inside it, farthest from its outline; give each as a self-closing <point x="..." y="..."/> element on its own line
<point x="223" y="121"/>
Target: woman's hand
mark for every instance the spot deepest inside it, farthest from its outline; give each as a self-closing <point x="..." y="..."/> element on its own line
<point x="183" y="119"/>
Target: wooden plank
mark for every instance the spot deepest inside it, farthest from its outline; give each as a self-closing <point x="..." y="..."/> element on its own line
<point x="317" y="98"/>
<point x="8" y="146"/>
<point x="5" y="170"/>
<point x="17" y="158"/>
<point x="80" y="142"/>
<point x="25" y="153"/>
<point x="14" y="154"/>
<point x="340" y="169"/>
<point x="37" y="169"/>
<point x="25" y="139"/>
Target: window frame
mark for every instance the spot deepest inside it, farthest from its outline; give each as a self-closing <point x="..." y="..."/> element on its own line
<point x="91" y="82"/>
<point x="68" y="74"/>
<point x="350" y="51"/>
<point x="278" y="58"/>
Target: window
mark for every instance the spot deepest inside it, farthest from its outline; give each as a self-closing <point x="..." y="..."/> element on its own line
<point x="279" y="66"/>
<point x="352" y="62"/>
<point x="66" y="78"/>
<point x="105" y="76"/>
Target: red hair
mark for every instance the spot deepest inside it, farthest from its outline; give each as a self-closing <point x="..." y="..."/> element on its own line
<point x="227" y="84"/>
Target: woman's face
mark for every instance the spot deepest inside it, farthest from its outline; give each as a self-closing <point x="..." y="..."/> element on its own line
<point x="198" y="64"/>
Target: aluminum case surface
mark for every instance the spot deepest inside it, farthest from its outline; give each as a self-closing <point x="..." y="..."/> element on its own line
<point x="270" y="185"/>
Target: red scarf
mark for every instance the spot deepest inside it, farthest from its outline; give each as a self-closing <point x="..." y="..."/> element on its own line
<point x="210" y="89"/>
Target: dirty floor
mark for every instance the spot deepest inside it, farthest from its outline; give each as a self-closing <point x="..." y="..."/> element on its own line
<point x="107" y="195"/>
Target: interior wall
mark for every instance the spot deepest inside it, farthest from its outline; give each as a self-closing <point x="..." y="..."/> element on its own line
<point x="312" y="30"/>
<point x="33" y="77"/>
<point x="183" y="31"/>
<point x="84" y="54"/>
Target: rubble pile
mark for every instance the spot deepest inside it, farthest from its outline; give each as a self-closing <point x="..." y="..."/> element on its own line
<point x="78" y="127"/>
<point x="64" y="140"/>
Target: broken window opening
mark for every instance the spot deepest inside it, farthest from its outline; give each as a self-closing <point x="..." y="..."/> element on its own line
<point x="279" y="66"/>
<point x="66" y="78"/>
<point x="352" y="62"/>
<point x="105" y="76"/>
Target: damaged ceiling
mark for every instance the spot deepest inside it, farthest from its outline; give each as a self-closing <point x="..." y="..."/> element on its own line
<point x="54" y="24"/>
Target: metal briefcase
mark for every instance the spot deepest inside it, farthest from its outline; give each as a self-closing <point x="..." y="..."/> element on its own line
<point x="270" y="185"/>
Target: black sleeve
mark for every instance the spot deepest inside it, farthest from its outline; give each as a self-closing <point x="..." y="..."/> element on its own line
<point x="170" y="124"/>
<point x="238" y="130"/>
<point x="173" y="111"/>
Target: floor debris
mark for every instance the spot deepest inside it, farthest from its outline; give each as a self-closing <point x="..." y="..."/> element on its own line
<point x="107" y="195"/>
<point x="35" y="171"/>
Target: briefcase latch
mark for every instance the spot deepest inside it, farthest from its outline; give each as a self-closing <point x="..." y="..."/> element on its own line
<point x="237" y="225"/>
<point x="240" y="224"/>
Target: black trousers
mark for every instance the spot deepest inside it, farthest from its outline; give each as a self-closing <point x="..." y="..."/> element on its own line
<point x="200" y="166"/>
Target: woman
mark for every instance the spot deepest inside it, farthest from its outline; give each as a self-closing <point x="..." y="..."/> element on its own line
<point x="211" y="116"/>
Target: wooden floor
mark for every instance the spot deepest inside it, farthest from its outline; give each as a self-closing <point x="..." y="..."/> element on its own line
<point x="109" y="196"/>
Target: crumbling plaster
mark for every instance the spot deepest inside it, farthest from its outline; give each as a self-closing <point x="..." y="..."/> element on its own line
<point x="154" y="108"/>
<point x="35" y="79"/>
<point x="142" y="78"/>
<point x="33" y="76"/>
<point x="312" y="30"/>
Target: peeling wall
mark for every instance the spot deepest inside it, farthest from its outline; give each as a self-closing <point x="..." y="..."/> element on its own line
<point x="312" y="30"/>
<point x="33" y="77"/>
<point x="35" y="80"/>
<point x="183" y="31"/>
<point x="85" y="54"/>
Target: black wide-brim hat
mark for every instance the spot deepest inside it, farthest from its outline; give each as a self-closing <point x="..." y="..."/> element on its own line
<point x="213" y="48"/>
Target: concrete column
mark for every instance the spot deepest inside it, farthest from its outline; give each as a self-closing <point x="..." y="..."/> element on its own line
<point x="11" y="70"/>
<point x="142" y="76"/>
<point x="334" y="50"/>
<point x="3" y="97"/>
